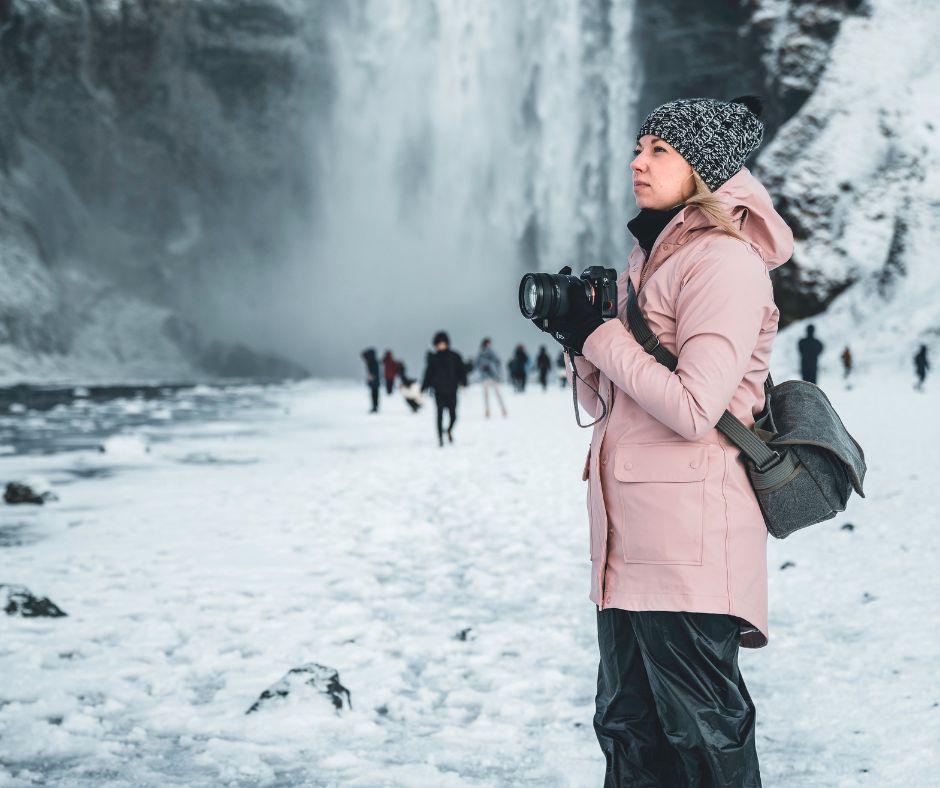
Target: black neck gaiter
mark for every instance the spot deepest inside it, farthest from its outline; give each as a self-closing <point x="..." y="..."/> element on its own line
<point x="648" y="224"/>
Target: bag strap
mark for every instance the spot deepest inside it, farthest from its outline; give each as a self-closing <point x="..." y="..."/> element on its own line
<point x="756" y="450"/>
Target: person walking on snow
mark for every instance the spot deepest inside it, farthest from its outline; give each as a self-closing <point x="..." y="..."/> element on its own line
<point x="921" y="365"/>
<point x="488" y="364"/>
<point x="677" y="538"/>
<point x="562" y="368"/>
<point x="519" y="369"/>
<point x="445" y="372"/>
<point x="372" y="377"/>
<point x="389" y="371"/>
<point x="810" y="349"/>
<point x="846" y="363"/>
<point x="544" y="365"/>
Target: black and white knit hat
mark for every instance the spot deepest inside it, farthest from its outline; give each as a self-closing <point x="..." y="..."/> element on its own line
<point x="715" y="137"/>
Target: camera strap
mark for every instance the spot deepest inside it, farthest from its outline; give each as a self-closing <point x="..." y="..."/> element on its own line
<point x="575" y="377"/>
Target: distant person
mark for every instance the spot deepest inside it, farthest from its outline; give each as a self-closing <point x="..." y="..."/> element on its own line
<point x="372" y="376"/>
<point x="445" y="373"/>
<point x="488" y="365"/>
<point x="560" y="365"/>
<point x="921" y="365"/>
<point x="544" y="365"/>
<point x="519" y="369"/>
<point x="846" y="363"/>
<point x="810" y="349"/>
<point x="389" y="370"/>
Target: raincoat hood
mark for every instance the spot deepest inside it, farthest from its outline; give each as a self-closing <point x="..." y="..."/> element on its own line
<point x="750" y="206"/>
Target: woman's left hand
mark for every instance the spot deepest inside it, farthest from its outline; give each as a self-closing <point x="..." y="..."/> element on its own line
<point x="572" y="329"/>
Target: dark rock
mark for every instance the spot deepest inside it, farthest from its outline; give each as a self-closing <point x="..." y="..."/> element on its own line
<point x="787" y="565"/>
<point x="464" y="634"/>
<point x="848" y="527"/>
<point x="691" y="48"/>
<point x="866" y="598"/>
<point x="322" y="679"/>
<point x="20" y="493"/>
<point x="229" y="360"/>
<point x="19" y="601"/>
<point x="159" y="147"/>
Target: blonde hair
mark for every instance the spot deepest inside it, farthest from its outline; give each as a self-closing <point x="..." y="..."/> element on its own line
<point x="711" y="205"/>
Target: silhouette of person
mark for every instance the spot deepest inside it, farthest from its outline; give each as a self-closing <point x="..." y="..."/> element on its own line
<point x="372" y="376"/>
<point x="445" y="372"/>
<point x="810" y="349"/>
<point x="846" y="363"/>
<point x="488" y="364"/>
<point x="519" y="369"/>
<point x="921" y="365"/>
<point x="544" y="365"/>
<point x="390" y="371"/>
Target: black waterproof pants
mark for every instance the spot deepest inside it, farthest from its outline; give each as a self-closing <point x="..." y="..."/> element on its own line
<point x="446" y="401"/>
<point x="672" y="708"/>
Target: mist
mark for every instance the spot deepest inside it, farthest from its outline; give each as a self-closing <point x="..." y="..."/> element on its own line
<point x="310" y="179"/>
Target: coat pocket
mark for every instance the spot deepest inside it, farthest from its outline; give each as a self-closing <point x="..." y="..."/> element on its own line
<point x="662" y="497"/>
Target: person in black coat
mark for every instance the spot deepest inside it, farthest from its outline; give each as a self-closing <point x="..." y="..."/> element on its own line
<point x="810" y="349"/>
<point x="445" y="373"/>
<point x="544" y="365"/>
<point x="921" y="365"/>
<point x="372" y="376"/>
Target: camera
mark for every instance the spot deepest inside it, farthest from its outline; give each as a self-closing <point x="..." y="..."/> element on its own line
<point x="546" y="295"/>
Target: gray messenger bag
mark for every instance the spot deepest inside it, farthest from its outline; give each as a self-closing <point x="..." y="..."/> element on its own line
<point x="802" y="462"/>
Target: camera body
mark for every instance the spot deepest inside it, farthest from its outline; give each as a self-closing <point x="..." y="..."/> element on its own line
<point x="546" y="295"/>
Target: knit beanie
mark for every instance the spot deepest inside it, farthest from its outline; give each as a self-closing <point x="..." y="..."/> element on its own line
<point x="440" y="336"/>
<point x="715" y="137"/>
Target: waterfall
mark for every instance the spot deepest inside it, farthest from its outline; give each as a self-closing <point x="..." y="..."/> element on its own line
<point x="465" y="144"/>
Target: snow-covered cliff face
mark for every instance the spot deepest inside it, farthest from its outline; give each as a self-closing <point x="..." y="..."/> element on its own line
<point x="149" y="156"/>
<point x="855" y="171"/>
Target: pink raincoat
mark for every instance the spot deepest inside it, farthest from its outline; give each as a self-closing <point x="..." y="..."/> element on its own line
<point x="674" y="521"/>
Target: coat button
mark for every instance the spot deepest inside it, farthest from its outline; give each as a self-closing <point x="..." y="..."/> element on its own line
<point x="629" y="466"/>
<point x="693" y="465"/>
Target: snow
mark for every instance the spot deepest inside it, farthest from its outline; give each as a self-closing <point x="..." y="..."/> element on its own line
<point x="306" y="530"/>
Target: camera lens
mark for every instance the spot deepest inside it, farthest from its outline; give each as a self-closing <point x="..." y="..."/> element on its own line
<point x="544" y="295"/>
<point x="531" y="294"/>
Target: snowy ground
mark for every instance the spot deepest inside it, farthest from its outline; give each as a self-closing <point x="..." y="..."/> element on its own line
<point x="197" y="573"/>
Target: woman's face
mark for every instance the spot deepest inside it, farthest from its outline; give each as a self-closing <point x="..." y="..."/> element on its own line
<point x="662" y="179"/>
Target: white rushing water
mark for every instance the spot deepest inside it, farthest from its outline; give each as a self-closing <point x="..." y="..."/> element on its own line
<point x="467" y="143"/>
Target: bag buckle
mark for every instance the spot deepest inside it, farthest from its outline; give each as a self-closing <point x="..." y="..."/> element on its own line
<point x="770" y="463"/>
<point x="649" y="348"/>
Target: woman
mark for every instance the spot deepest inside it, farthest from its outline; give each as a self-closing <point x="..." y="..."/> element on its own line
<point x="678" y="543"/>
<point x="488" y="364"/>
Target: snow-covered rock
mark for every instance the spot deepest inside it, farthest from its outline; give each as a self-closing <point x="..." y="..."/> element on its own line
<point x="299" y="681"/>
<point x="148" y="169"/>
<point x="16" y="600"/>
<point x="16" y="493"/>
